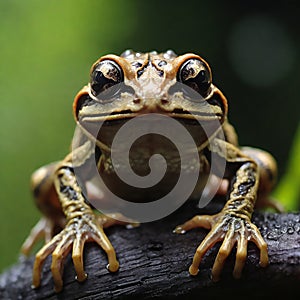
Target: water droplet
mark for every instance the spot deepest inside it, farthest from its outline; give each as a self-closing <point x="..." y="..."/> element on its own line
<point x="85" y="276"/>
<point x="132" y="225"/>
<point x="290" y="230"/>
<point x="283" y="229"/>
<point x="273" y="236"/>
<point x="179" y="230"/>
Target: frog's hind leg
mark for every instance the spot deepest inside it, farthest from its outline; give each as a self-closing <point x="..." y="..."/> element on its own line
<point x="46" y="200"/>
<point x="267" y="177"/>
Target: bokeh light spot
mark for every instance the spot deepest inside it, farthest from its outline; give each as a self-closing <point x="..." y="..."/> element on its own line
<point x="261" y="50"/>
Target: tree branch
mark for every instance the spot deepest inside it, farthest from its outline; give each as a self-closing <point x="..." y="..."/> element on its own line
<point x="154" y="264"/>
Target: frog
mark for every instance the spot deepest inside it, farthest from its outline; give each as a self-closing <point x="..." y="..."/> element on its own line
<point x="69" y="220"/>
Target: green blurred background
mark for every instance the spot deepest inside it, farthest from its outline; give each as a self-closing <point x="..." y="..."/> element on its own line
<point x="47" y="48"/>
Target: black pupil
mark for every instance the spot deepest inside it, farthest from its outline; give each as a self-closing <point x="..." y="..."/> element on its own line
<point x="198" y="80"/>
<point x="202" y="76"/>
<point x="105" y="75"/>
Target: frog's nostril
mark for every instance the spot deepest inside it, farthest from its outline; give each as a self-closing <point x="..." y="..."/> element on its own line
<point x="164" y="101"/>
<point x="137" y="101"/>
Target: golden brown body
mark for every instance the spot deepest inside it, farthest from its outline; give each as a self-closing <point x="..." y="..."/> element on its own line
<point x="151" y="87"/>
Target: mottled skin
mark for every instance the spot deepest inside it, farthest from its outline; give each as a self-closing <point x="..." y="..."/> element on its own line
<point x="69" y="221"/>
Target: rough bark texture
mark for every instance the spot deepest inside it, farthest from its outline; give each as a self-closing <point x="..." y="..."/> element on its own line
<point x="154" y="264"/>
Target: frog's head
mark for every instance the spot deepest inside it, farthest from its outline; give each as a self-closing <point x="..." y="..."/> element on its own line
<point x="134" y="84"/>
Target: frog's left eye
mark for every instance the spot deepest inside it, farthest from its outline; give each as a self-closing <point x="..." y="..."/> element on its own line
<point x="195" y="74"/>
<point x="105" y="75"/>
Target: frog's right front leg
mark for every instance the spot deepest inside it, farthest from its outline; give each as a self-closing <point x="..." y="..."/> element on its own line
<point x="82" y="225"/>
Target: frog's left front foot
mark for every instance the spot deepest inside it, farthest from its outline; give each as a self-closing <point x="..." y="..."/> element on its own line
<point x="86" y="227"/>
<point x="231" y="229"/>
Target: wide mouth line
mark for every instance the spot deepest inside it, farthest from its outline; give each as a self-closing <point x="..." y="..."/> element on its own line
<point x="179" y="111"/>
<point x="111" y="117"/>
<point x="176" y="112"/>
<point x="127" y="114"/>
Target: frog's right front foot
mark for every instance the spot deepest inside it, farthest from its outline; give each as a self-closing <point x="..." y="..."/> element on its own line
<point x="77" y="231"/>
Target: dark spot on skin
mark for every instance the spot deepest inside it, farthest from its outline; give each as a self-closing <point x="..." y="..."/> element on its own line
<point x="162" y="63"/>
<point x="160" y="73"/>
<point x="136" y="64"/>
<point x="245" y="186"/>
<point x="69" y="192"/>
<point x="140" y="72"/>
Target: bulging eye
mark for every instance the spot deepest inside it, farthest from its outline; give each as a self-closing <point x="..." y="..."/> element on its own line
<point x="195" y="74"/>
<point x="104" y="76"/>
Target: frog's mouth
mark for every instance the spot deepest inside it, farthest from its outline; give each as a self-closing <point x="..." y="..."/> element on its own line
<point x="179" y="114"/>
<point x="200" y="126"/>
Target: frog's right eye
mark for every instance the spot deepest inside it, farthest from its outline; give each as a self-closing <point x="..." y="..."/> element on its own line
<point x="105" y="75"/>
<point x="195" y="74"/>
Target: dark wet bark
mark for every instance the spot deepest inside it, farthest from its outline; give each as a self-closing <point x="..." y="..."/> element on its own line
<point x="154" y="264"/>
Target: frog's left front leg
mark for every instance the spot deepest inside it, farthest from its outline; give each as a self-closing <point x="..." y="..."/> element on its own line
<point x="232" y="224"/>
<point x="82" y="225"/>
